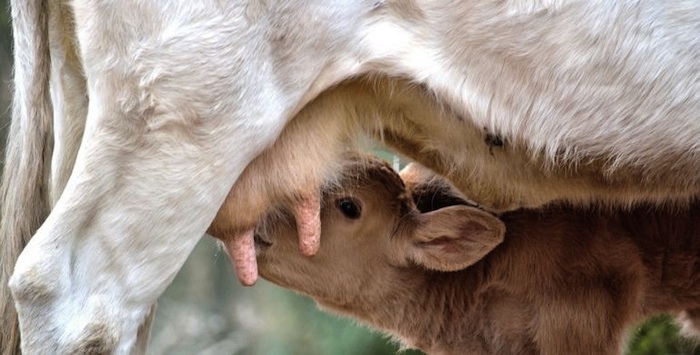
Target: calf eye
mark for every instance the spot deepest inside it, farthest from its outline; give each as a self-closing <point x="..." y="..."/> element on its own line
<point x="350" y="207"/>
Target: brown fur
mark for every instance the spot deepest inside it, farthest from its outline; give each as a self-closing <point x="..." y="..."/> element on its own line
<point x="563" y="281"/>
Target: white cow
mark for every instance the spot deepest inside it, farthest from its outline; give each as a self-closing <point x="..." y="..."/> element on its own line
<point x="183" y="95"/>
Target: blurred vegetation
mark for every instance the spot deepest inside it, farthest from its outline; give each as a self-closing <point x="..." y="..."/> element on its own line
<point x="659" y="335"/>
<point x="205" y="311"/>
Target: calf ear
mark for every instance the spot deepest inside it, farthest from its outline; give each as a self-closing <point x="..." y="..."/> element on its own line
<point x="452" y="238"/>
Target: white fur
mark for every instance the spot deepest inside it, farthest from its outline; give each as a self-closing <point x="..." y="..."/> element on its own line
<point x="184" y="94"/>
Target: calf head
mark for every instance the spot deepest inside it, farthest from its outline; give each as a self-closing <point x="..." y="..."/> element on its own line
<point x="371" y="232"/>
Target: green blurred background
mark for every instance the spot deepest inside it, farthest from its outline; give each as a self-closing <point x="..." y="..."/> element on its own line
<point x="205" y="311"/>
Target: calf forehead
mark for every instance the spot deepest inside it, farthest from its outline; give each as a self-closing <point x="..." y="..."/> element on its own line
<point x="362" y="171"/>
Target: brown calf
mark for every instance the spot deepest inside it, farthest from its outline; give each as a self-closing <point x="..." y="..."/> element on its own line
<point x="443" y="278"/>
